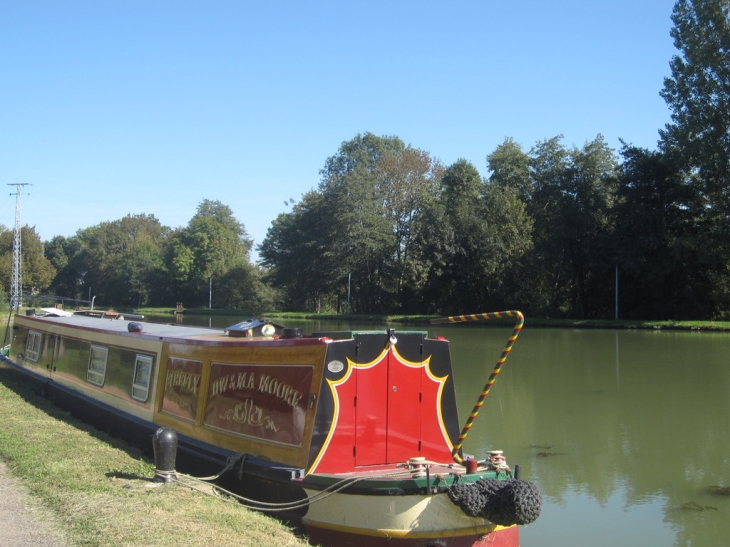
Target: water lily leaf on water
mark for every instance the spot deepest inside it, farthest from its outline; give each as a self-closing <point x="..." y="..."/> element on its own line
<point x="694" y="506"/>
<point x="719" y="490"/>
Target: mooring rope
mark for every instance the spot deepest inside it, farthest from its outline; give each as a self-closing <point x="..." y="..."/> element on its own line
<point x="270" y="507"/>
<point x="495" y="371"/>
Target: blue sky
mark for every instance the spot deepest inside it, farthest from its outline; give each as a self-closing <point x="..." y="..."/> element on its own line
<point x="110" y="108"/>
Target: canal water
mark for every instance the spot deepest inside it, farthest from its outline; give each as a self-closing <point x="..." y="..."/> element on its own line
<point x="626" y="433"/>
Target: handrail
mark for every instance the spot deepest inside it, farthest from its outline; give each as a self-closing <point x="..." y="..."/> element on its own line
<point x="495" y="370"/>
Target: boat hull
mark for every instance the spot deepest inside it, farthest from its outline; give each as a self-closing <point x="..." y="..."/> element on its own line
<point x="500" y="537"/>
<point x="408" y="520"/>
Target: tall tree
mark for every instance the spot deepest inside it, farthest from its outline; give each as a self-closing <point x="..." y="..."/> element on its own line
<point x="588" y="201"/>
<point x="118" y="260"/>
<point x="698" y="92"/>
<point x="361" y="233"/>
<point x="37" y="270"/>
<point x="469" y="235"/>
<point x="299" y="258"/>
<point x="572" y="197"/>
<point x="510" y="168"/>
<point x="358" y="225"/>
<point x="201" y="254"/>
<point x="64" y="254"/>
<point x="242" y="288"/>
<point x="405" y="179"/>
<point x="660" y="249"/>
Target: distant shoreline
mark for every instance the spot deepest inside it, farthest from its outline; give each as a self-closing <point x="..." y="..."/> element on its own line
<point x="715" y="326"/>
<point x="531" y="322"/>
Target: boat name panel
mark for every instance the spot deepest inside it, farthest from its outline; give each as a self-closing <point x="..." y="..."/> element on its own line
<point x="182" y="386"/>
<point x="268" y="402"/>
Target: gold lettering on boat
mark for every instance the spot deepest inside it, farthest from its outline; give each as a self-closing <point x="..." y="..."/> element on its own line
<point x="186" y="380"/>
<point x="251" y="414"/>
<point x="283" y="391"/>
<point x="259" y="400"/>
<point x="183" y="385"/>
<point x="233" y="382"/>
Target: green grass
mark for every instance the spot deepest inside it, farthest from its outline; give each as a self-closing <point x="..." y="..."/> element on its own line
<point x="96" y="491"/>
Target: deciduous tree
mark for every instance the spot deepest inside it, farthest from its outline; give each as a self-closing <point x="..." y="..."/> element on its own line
<point x="37" y="270"/>
<point x="698" y="93"/>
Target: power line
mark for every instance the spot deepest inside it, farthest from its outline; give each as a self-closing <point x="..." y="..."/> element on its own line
<point x="16" y="285"/>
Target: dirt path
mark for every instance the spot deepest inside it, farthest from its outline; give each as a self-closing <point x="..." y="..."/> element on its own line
<point x="21" y="524"/>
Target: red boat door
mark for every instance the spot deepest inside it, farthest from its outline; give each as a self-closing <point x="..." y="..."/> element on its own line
<point x="387" y="409"/>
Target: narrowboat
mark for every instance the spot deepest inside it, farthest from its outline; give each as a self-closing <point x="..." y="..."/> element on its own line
<point x="355" y="434"/>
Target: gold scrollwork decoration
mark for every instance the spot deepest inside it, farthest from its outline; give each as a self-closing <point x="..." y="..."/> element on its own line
<point x="248" y="413"/>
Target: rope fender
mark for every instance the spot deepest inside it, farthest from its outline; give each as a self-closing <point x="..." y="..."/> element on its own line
<point x="506" y="502"/>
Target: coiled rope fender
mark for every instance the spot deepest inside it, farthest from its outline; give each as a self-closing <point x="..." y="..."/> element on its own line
<point x="495" y="370"/>
<point x="507" y="502"/>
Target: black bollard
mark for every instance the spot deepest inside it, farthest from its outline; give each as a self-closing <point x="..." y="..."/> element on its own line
<point x="164" y="444"/>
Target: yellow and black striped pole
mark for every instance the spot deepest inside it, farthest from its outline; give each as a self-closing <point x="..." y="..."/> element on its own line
<point x="495" y="370"/>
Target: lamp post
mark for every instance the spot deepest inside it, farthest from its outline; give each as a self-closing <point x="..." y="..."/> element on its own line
<point x="349" y="277"/>
<point x="616" y="302"/>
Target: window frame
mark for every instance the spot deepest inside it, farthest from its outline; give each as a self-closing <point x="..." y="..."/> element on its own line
<point x="33" y="345"/>
<point x="139" y="361"/>
<point x="94" y="367"/>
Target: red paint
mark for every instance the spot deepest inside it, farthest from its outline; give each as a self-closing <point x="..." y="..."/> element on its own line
<point x="371" y="427"/>
<point x="471" y="465"/>
<point x="506" y="537"/>
<point x="387" y="412"/>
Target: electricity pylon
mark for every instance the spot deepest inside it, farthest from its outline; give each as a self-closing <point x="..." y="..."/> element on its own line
<point x="16" y="289"/>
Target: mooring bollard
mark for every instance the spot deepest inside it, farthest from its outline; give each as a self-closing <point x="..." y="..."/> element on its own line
<point x="164" y="445"/>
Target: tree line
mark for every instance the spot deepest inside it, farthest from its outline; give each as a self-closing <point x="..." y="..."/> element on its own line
<point x="552" y="230"/>
<point x="135" y="261"/>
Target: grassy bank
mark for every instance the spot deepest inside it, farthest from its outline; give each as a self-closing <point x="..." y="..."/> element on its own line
<point x="96" y="491"/>
<point x="529" y="321"/>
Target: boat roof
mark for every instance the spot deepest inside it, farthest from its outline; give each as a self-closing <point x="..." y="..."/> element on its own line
<point x="57" y="312"/>
<point x="118" y="324"/>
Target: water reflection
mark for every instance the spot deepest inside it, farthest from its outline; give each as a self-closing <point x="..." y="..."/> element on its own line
<point x="622" y="430"/>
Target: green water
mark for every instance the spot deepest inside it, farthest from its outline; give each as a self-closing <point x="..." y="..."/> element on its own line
<point x="623" y="431"/>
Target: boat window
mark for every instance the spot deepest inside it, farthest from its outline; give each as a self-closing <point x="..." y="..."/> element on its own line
<point x="97" y="365"/>
<point x="142" y="372"/>
<point x="33" y="345"/>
